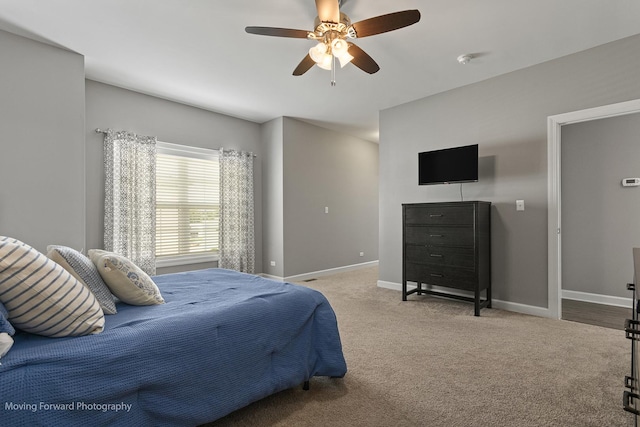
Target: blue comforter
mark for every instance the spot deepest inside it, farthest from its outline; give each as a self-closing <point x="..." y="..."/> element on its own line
<point x="221" y="341"/>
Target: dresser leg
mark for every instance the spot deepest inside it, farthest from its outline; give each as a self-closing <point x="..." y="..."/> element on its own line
<point x="404" y="290"/>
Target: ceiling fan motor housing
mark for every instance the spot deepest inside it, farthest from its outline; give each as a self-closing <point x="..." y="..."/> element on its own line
<point x="341" y="29"/>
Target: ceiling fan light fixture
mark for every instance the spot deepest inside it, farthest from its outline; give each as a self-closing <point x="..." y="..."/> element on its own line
<point x="344" y="59"/>
<point x="339" y="47"/>
<point x="326" y="62"/>
<point x="318" y="52"/>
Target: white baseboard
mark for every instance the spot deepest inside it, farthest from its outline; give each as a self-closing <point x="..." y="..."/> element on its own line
<point x="597" y="298"/>
<point x="320" y="273"/>
<point x="501" y="305"/>
<point x="390" y="285"/>
<point x="532" y="310"/>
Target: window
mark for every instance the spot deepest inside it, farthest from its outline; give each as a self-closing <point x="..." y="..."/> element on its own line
<point x="187" y="205"/>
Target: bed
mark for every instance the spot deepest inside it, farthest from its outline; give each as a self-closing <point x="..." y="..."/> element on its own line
<point x="221" y="341"/>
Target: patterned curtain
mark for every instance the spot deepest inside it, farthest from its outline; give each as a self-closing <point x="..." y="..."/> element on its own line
<point x="237" y="239"/>
<point x="130" y="197"/>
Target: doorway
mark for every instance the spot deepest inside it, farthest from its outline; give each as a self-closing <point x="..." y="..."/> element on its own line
<point x="554" y="132"/>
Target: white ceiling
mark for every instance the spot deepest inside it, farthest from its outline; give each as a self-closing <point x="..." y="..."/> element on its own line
<point x="197" y="52"/>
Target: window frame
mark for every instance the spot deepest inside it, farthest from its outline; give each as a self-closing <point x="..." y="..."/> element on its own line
<point x="198" y="153"/>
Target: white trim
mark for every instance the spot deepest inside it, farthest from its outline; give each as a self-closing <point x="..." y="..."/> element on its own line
<point x="185" y="260"/>
<point x="531" y="310"/>
<point x="330" y="271"/>
<point x="316" y="274"/>
<point x="170" y="148"/>
<point x="501" y="305"/>
<point x="390" y="285"/>
<point x="597" y="298"/>
<point x="554" y="125"/>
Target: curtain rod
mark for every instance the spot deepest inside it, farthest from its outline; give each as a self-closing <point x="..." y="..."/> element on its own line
<point x="98" y="130"/>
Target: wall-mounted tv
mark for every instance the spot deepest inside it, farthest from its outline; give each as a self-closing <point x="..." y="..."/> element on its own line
<point x="450" y="165"/>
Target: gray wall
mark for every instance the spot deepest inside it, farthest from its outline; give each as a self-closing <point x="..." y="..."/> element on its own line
<point x="600" y="217"/>
<point x="507" y="117"/>
<point x="120" y="109"/>
<point x="307" y="169"/>
<point x="324" y="168"/>
<point x="41" y="143"/>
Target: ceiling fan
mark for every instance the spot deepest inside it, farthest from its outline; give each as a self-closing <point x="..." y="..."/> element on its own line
<point x="332" y="31"/>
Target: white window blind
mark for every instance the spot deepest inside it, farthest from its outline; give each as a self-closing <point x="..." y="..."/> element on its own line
<point x="187" y="204"/>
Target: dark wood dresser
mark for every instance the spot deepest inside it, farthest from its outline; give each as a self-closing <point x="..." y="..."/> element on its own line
<point x="449" y="245"/>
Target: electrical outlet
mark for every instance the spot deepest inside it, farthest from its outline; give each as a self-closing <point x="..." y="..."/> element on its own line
<point x="361" y="253"/>
<point x="273" y="263"/>
<point x="519" y="205"/>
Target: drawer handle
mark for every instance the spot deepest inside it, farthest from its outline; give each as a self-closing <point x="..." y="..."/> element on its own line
<point x="435" y="235"/>
<point x="435" y="215"/>
<point x="436" y="255"/>
<point x="435" y="275"/>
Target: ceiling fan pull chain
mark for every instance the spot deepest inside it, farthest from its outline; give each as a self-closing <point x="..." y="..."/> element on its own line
<point x="333" y="71"/>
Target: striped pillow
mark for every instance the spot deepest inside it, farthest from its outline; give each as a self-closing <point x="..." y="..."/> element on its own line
<point x="42" y="297"/>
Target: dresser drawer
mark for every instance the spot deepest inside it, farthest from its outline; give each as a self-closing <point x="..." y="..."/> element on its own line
<point x="439" y="236"/>
<point x="434" y="255"/>
<point x="451" y="277"/>
<point x="439" y="215"/>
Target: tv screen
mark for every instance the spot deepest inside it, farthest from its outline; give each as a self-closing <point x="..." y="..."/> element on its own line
<point x="459" y="164"/>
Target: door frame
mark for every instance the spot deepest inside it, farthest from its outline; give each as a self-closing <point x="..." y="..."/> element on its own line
<point x="554" y="196"/>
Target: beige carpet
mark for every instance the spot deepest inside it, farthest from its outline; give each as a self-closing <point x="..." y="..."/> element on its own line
<point x="430" y="362"/>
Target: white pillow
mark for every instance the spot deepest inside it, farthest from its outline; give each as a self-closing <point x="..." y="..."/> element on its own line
<point x="42" y="297"/>
<point x="125" y="279"/>
<point x="5" y="343"/>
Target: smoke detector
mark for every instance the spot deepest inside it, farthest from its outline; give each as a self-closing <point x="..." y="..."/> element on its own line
<point x="465" y="59"/>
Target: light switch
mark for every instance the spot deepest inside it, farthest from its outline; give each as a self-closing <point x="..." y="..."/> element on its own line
<point x="326" y="209"/>
<point x="519" y="205"/>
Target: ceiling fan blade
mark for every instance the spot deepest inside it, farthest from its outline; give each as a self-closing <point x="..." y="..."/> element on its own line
<point x="328" y="10"/>
<point x="278" y="32"/>
<point x="384" y="23"/>
<point x="304" y="66"/>
<point x="362" y="60"/>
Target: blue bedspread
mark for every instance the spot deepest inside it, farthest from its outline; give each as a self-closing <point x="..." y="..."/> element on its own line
<point x="221" y="341"/>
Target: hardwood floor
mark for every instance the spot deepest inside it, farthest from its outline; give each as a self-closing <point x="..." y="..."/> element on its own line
<point x="595" y="314"/>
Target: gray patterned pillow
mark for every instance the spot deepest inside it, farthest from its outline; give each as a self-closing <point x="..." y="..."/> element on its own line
<point x="6" y="330"/>
<point x="86" y="272"/>
<point x="125" y="279"/>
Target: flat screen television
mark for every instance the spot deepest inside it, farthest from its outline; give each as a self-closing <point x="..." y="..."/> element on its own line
<point x="450" y="165"/>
